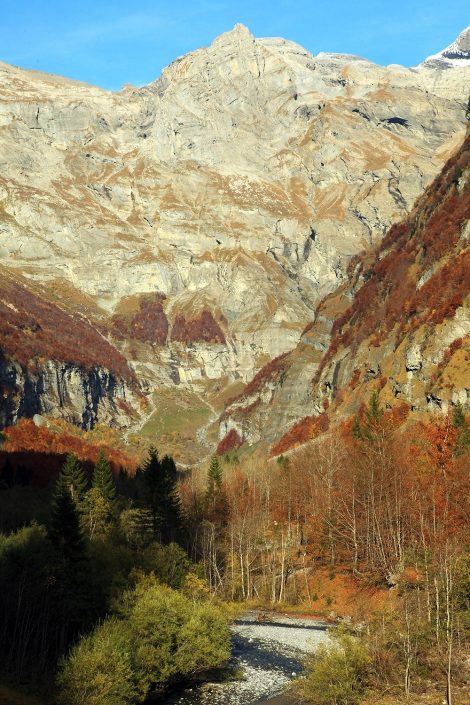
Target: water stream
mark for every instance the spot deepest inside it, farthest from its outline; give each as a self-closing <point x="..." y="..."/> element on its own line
<point x="265" y="655"/>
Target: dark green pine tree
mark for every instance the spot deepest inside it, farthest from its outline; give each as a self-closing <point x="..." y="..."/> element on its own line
<point x="72" y="478"/>
<point x="160" y="496"/>
<point x="374" y="412"/>
<point x="357" y="429"/>
<point x="214" y="478"/>
<point x="64" y="529"/>
<point x="153" y="489"/>
<point x="216" y="503"/>
<point x="372" y="423"/>
<point x="103" y="479"/>
<point x="173" y="522"/>
<point x="77" y="593"/>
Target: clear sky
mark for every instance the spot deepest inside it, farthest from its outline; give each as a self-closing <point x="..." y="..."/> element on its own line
<point x="110" y="43"/>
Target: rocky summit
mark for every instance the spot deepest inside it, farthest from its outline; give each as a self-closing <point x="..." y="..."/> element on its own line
<point x="194" y="224"/>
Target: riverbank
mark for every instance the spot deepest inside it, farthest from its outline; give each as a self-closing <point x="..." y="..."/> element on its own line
<point x="266" y="656"/>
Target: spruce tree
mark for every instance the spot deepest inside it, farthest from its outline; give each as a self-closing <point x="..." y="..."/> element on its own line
<point x="372" y="423"/>
<point x="172" y="506"/>
<point x="160" y="496"/>
<point x="64" y="530"/>
<point x="216" y="499"/>
<point x="214" y="477"/>
<point x="72" y="478"/>
<point x="153" y="488"/>
<point x="357" y="429"/>
<point x="374" y="412"/>
<point x="103" y="479"/>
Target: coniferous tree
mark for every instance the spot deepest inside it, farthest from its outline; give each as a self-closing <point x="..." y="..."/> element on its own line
<point x="161" y="497"/>
<point x="214" y="477"/>
<point x="375" y="412"/>
<point x="172" y="505"/>
<point x="357" y="429"/>
<point x="216" y="500"/>
<point x="72" y="478"/>
<point x="99" y="504"/>
<point x="367" y="429"/>
<point x="78" y="595"/>
<point x="103" y="479"/>
<point x="64" y="530"/>
<point x="153" y="489"/>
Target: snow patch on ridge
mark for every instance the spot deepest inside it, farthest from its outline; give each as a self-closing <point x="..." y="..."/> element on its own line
<point x="456" y="54"/>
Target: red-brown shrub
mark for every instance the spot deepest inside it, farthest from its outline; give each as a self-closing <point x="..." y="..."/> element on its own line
<point x="231" y="441"/>
<point x="149" y="324"/>
<point x="33" y="329"/>
<point x="302" y="431"/>
<point x="204" y="328"/>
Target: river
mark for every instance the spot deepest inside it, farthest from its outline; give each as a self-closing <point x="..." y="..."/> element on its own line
<point x="266" y="655"/>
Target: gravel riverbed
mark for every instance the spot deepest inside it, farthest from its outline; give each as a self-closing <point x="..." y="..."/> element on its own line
<point x="268" y="656"/>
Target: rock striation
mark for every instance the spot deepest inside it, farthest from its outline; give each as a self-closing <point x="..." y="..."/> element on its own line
<point x="62" y="390"/>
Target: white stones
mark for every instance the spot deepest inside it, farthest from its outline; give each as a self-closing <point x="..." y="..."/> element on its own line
<point x="413" y="359"/>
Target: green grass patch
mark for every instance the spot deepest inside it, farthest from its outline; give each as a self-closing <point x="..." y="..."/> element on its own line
<point x="178" y="412"/>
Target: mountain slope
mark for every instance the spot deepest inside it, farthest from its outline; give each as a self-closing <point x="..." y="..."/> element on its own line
<point x="248" y="161"/>
<point x="54" y="361"/>
<point x="400" y="325"/>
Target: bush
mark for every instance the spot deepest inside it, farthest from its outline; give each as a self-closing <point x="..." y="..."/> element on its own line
<point x="174" y="637"/>
<point x="99" y="670"/>
<point x="159" y="635"/>
<point x="337" y="674"/>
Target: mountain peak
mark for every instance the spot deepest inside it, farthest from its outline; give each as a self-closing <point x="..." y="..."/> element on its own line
<point x="456" y="54"/>
<point x="237" y="33"/>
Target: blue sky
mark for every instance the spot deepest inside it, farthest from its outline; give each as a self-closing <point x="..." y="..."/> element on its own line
<point x="112" y="43"/>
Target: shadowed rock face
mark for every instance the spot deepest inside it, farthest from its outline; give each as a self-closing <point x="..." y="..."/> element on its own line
<point x="237" y="186"/>
<point x="82" y="397"/>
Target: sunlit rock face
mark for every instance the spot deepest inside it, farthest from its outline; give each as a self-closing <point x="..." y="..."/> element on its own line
<point x="236" y="187"/>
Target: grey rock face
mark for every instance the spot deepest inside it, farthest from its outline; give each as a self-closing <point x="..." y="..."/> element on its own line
<point x="62" y="391"/>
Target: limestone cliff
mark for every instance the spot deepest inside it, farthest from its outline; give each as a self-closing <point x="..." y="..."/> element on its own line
<point x="240" y="182"/>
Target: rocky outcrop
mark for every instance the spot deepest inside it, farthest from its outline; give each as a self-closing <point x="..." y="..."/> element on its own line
<point x="241" y="181"/>
<point x="62" y="390"/>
